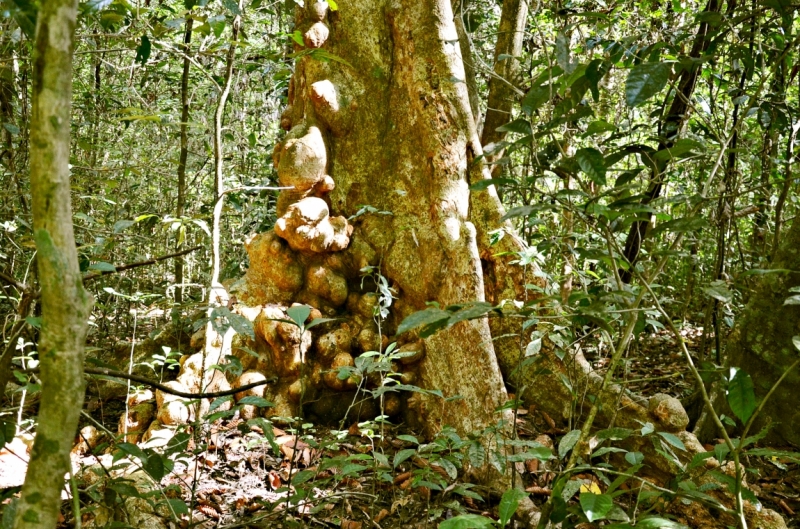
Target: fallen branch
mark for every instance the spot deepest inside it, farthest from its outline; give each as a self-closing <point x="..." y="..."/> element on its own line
<point x="137" y="264"/>
<point x="166" y="389"/>
<point x="94" y="275"/>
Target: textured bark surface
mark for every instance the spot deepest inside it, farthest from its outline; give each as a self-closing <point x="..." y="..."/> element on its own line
<point x="513" y="19"/>
<point x="65" y="304"/>
<point x="761" y="343"/>
<point x="387" y="124"/>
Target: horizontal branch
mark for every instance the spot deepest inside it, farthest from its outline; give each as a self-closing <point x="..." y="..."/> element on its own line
<point x="166" y="389"/>
<point x="137" y="264"/>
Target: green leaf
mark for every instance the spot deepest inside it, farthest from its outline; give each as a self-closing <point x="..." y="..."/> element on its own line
<point x="178" y="506"/>
<point x="520" y="126"/>
<point x="592" y="163"/>
<point x="121" y="225"/>
<point x="467" y="521"/>
<point x="644" y="81"/>
<point x="535" y="98"/>
<point x="402" y="455"/>
<point x="483" y="184"/>
<point x="508" y="505"/>
<point x="719" y="291"/>
<point x="143" y="51"/>
<point x="595" y="506"/>
<point x="673" y="440"/>
<point x="254" y="400"/>
<point x="232" y="6"/>
<point x="333" y="5"/>
<point x="431" y="319"/>
<point x="568" y="442"/>
<point x="562" y="53"/>
<point x="617" y="434"/>
<point x="133" y="450"/>
<point x="103" y="267"/>
<point x="299" y="314"/>
<point x="649" y="523"/>
<point x="634" y="458"/>
<point x="796" y="342"/>
<point x="241" y="325"/>
<point x="157" y="465"/>
<point x="741" y="396"/>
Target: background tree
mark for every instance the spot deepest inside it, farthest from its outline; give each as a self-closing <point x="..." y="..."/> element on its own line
<point x="65" y="304"/>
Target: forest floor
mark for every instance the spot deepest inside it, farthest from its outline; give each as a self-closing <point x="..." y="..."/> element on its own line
<point x="239" y="480"/>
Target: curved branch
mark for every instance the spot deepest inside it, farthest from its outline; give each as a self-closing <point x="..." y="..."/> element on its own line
<point x="166" y="389"/>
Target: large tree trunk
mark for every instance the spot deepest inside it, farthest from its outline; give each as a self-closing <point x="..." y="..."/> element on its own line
<point x="65" y="304"/>
<point x="386" y="124"/>
<point x="761" y="343"/>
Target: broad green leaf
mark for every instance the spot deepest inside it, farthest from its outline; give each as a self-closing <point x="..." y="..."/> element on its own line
<point x="178" y="506"/>
<point x="568" y="442"/>
<point x="241" y="325"/>
<point x="402" y="455"/>
<point x="649" y="523"/>
<point x="121" y="225"/>
<point x="719" y="291"/>
<point x="592" y="163"/>
<point x="103" y="267"/>
<point x="595" y="506"/>
<point x="520" y="126"/>
<point x="483" y="184"/>
<point x="741" y="396"/>
<point x="562" y="53"/>
<point x="143" y="51"/>
<point x="298" y="314"/>
<point x="674" y="440"/>
<point x="535" y="98"/>
<point x="616" y="434"/>
<point x="634" y="458"/>
<point x="132" y="450"/>
<point x="508" y="505"/>
<point x="467" y="521"/>
<point x="644" y="81"/>
<point x="431" y="319"/>
<point x="254" y="400"/>
<point x="796" y="342"/>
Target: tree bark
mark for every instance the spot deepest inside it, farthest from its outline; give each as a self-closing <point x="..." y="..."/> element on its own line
<point x="390" y="128"/>
<point x="65" y="303"/>
<point x="761" y="342"/>
<point x="184" y="153"/>
<point x="506" y="70"/>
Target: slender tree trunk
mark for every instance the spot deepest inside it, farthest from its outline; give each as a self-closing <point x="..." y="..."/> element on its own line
<point x="181" y="203"/>
<point x="506" y="70"/>
<point x="670" y="130"/>
<point x="467" y="58"/>
<point x="65" y="303"/>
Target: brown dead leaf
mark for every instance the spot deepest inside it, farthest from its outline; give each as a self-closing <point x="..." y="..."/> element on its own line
<point x="274" y="479"/>
<point x="402" y="477"/>
<point x="350" y="524"/>
<point x="380" y="516"/>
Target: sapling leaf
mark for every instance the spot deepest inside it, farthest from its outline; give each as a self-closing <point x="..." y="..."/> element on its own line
<point x="298" y="314"/>
<point x="741" y="395"/>
<point x="508" y="505"/>
<point x="644" y="81"/>
<point x="595" y="506"/>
